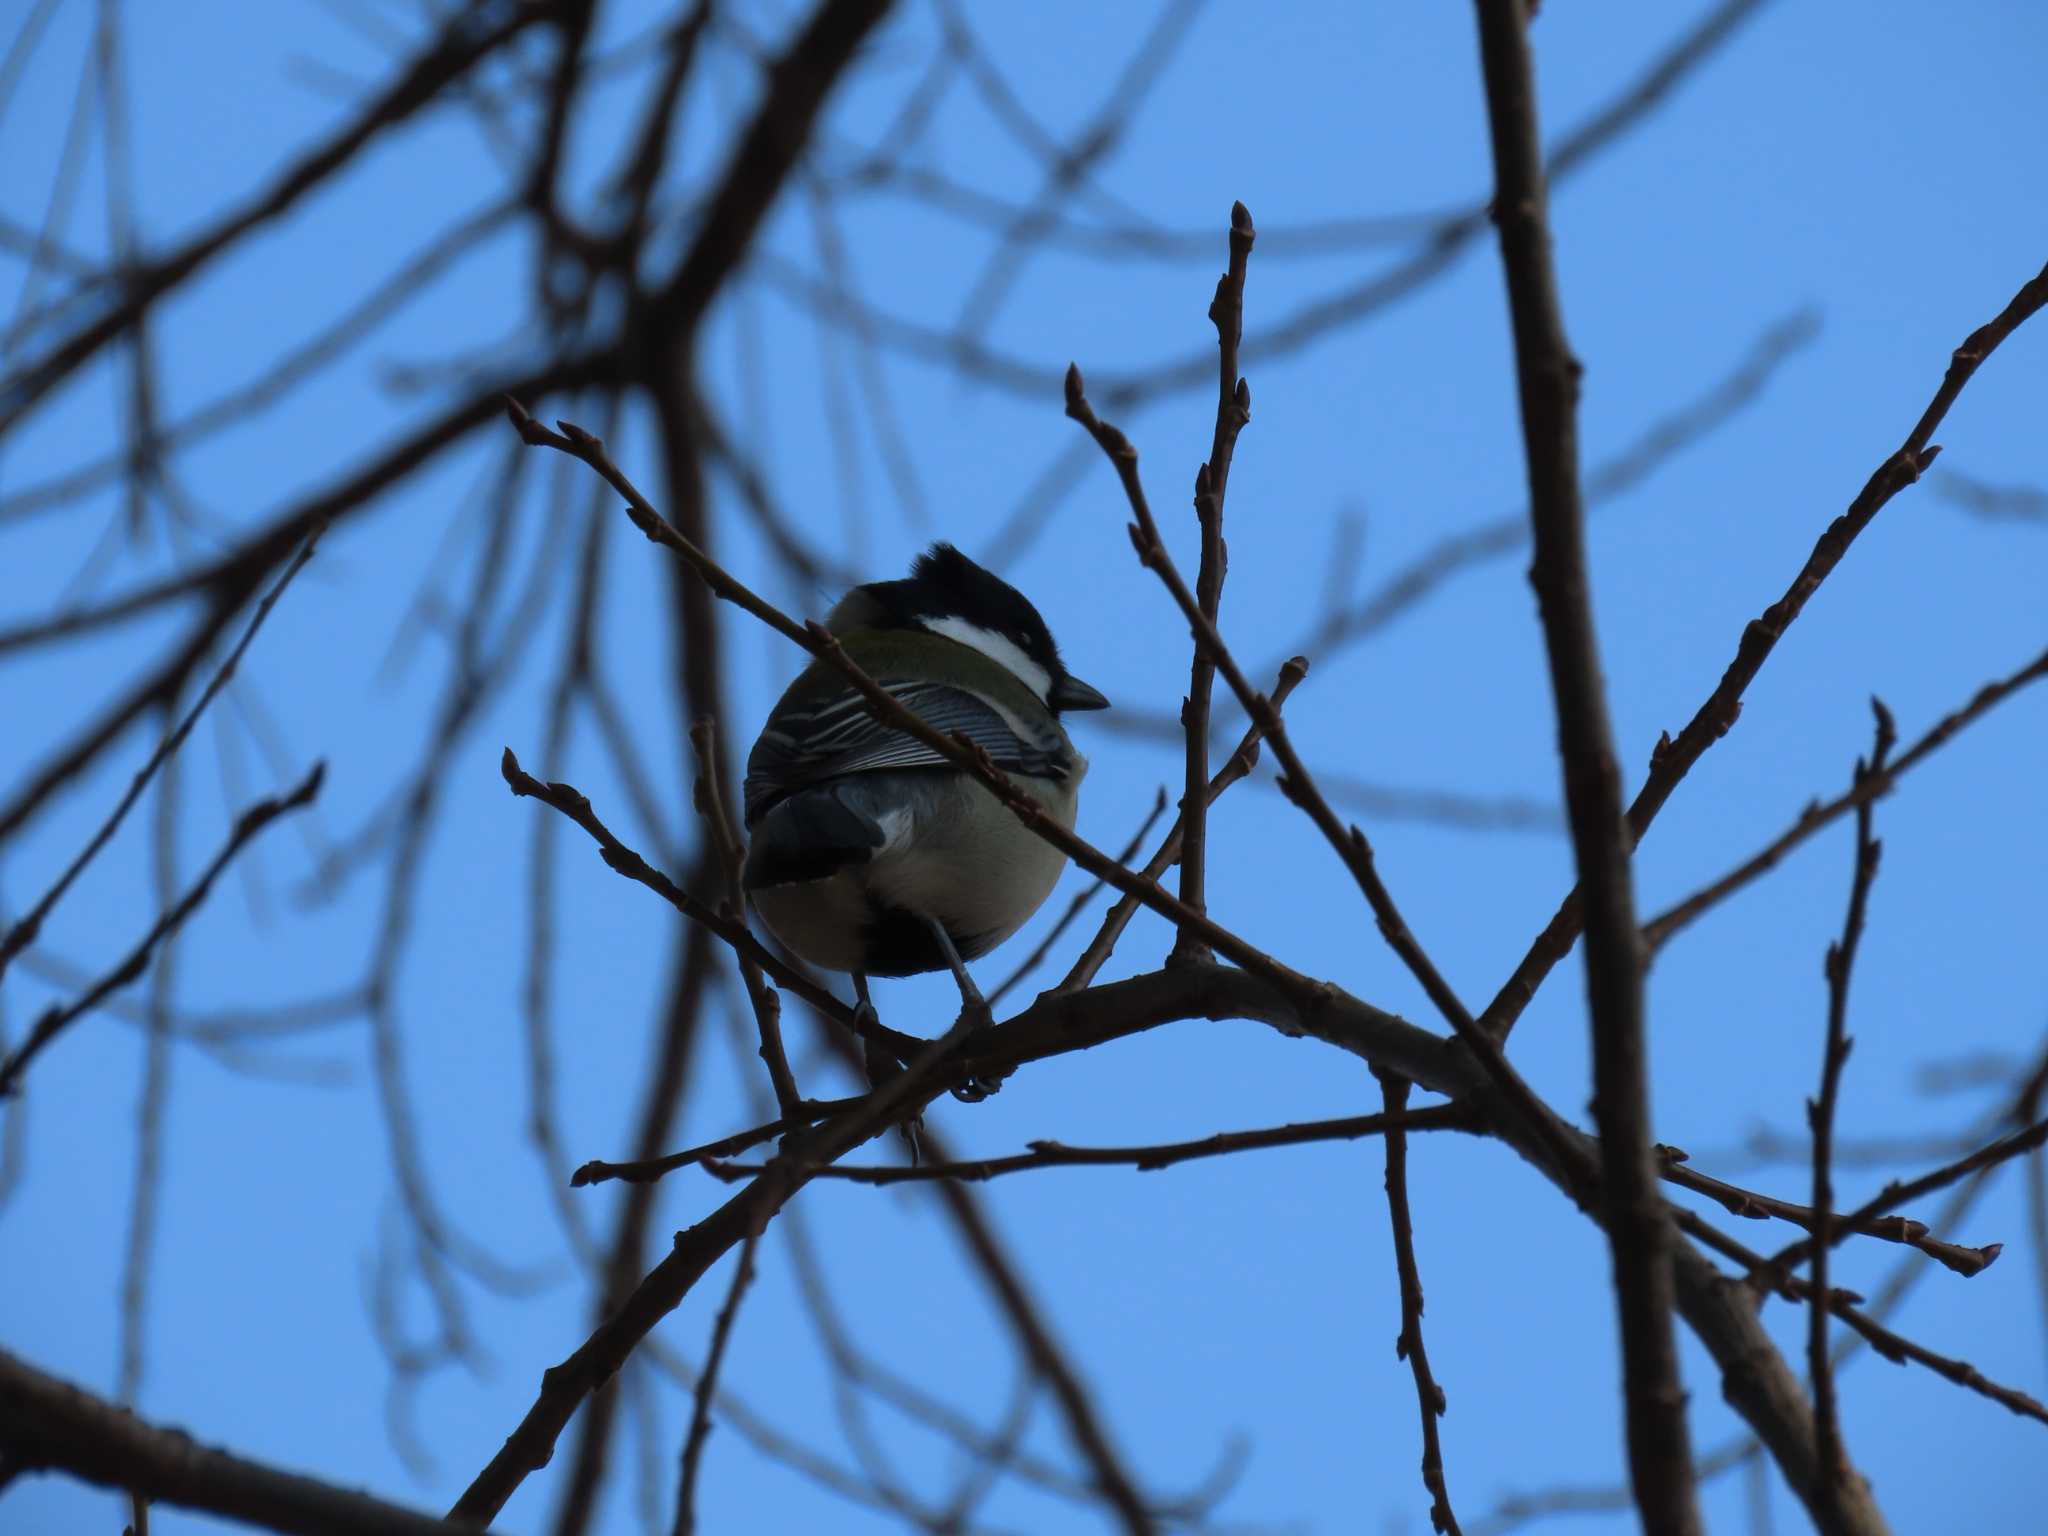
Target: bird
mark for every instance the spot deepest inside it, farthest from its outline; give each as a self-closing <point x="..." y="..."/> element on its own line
<point x="869" y="852"/>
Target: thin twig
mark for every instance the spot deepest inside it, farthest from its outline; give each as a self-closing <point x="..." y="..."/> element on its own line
<point x="572" y="803"/>
<point x="1898" y="1192"/>
<point x="1898" y="1349"/>
<point x="707" y="1384"/>
<point x="146" y="1206"/>
<point x="1349" y="843"/>
<point x="1036" y="958"/>
<point x="24" y="932"/>
<point x="1769" y="1275"/>
<point x="887" y="709"/>
<point x="1106" y="1477"/>
<point x="1319" y="317"/>
<point x="1237" y="766"/>
<point x="241" y="404"/>
<point x="53" y="1022"/>
<point x="661" y="1291"/>
<point x="1547" y="376"/>
<point x="1672" y="759"/>
<point x="807" y="1113"/>
<point x="1069" y="167"/>
<point x="1866" y="788"/>
<point x="1409" y="584"/>
<point x="459" y="48"/>
<point x="1429" y="1396"/>
<point x="711" y="802"/>
<point x="1036" y="1340"/>
<point x="1146" y="1159"/>
<point x="1516" y="1510"/>
<point x="1820" y="1111"/>
<point x="857" y="1371"/>
<point x="1756" y="1206"/>
<point x="1233" y="411"/>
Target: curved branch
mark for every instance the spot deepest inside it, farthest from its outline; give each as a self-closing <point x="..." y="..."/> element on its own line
<point x="459" y="49"/>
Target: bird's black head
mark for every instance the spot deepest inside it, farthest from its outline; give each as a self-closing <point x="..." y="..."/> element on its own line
<point x="950" y="595"/>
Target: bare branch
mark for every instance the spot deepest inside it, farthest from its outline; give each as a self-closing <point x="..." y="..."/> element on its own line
<point x="1755" y="1206"/>
<point x="276" y="381"/>
<point x="886" y="708"/>
<point x="807" y="1113"/>
<point x="1867" y="788"/>
<point x="1898" y="1192"/>
<point x="242" y="568"/>
<point x="1673" y="759"/>
<point x="564" y="1388"/>
<point x="725" y="837"/>
<point x="45" y="1422"/>
<point x="1520" y="1509"/>
<point x="1036" y="1339"/>
<point x="467" y="40"/>
<point x="1212" y="481"/>
<point x="54" y="1022"/>
<point x="1086" y="894"/>
<point x="1069" y="167"/>
<point x="1993" y="503"/>
<point x="1768" y="1274"/>
<point x="1547" y="374"/>
<point x="1349" y="843"/>
<point x="1663" y="440"/>
<point x="1435" y="254"/>
<point x="1409" y="1346"/>
<point x="795" y="92"/>
<point x="1108" y="1480"/>
<point x="1758" y="1384"/>
<point x="707" y="1383"/>
<point x="1898" y="1349"/>
<point x="1841" y="959"/>
<point x="572" y="803"/>
<point x="1237" y="766"/>
<point x="24" y="932"/>
<point x="1054" y="1154"/>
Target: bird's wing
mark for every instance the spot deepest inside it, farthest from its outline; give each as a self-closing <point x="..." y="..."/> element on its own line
<point x="837" y="736"/>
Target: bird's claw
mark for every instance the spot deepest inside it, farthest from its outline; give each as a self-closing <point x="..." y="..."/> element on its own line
<point x="976" y="1087"/>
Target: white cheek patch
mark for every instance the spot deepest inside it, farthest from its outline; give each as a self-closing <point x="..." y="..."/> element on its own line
<point x="1000" y="649"/>
<point x="896" y="826"/>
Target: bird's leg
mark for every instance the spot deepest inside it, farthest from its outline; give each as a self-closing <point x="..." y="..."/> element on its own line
<point x="973" y="1006"/>
<point x="971" y="1000"/>
<point x="880" y="1062"/>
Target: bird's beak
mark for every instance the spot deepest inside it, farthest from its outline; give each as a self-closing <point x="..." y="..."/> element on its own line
<point x="1071" y="693"/>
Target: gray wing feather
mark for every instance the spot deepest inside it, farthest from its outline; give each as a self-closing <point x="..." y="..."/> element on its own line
<point x="840" y="737"/>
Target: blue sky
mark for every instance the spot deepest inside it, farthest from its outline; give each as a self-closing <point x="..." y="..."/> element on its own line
<point x="1879" y="169"/>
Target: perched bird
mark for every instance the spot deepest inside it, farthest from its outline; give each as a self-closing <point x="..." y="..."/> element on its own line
<point x="872" y="854"/>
